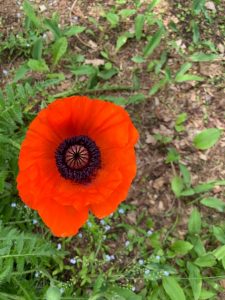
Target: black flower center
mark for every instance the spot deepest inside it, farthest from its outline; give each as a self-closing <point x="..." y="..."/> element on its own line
<point x="78" y="159"/>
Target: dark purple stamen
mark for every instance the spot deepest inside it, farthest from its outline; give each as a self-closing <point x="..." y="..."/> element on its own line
<point x="78" y="159"/>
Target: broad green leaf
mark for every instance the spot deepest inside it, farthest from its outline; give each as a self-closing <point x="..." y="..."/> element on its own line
<point x="37" y="49"/>
<point x="59" y="49"/>
<point x="54" y="27"/>
<point x="188" y="77"/>
<point x="195" y="280"/>
<point x="38" y="65"/>
<point x="219" y="253"/>
<point x="139" y="25"/>
<point x="137" y="98"/>
<point x="181" y="247"/>
<point x="74" y="30"/>
<point x="194" y="222"/>
<point x="20" y="73"/>
<point x="207" y="260"/>
<point x="84" y="70"/>
<point x="30" y="13"/>
<point x="121" y="41"/>
<point x="126" y="13"/>
<point x="107" y="74"/>
<point x="219" y="234"/>
<point x="172" y="156"/>
<point x="138" y="59"/>
<point x="172" y="288"/>
<point x="207" y="138"/>
<point x="177" y="185"/>
<point x="215" y="203"/>
<point x="204" y="187"/>
<point x="113" y="19"/>
<point x="200" y="56"/>
<point x="206" y="294"/>
<point x="53" y="293"/>
<point x="186" y="175"/>
<point x="153" y="42"/>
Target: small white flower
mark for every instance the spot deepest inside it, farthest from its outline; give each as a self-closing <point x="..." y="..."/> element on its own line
<point x="147" y="272"/>
<point x="34" y="221"/>
<point x="127" y="243"/>
<point x="133" y="288"/>
<point x="102" y="222"/>
<point x="107" y="227"/>
<point x="141" y="262"/>
<point x="28" y="45"/>
<point x="18" y="15"/>
<point x="5" y="72"/>
<point x="104" y="237"/>
<point x="149" y="232"/>
<point x="59" y="246"/>
<point x="157" y="257"/>
<point x="89" y="224"/>
<point x="62" y="290"/>
<point x="13" y="204"/>
<point x="73" y="261"/>
<point x="80" y="235"/>
<point x="112" y="257"/>
<point x="36" y="274"/>
<point x="44" y="35"/>
<point x="166" y="273"/>
<point x="121" y="211"/>
<point x="107" y="257"/>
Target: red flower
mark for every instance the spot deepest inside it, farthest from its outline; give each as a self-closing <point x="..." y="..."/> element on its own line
<point x="78" y="155"/>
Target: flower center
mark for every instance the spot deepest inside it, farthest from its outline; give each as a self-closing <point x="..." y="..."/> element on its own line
<point x="78" y="159"/>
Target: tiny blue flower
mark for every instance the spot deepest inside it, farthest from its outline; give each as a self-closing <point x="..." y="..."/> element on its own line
<point x="13" y="204"/>
<point x="141" y="262"/>
<point x="34" y="221"/>
<point x="157" y="257"/>
<point x="73" y="261"/>
<point x="166" y="273"/>
<point x="149" y="232"/>
<point x="112" y="257"/>
<point x="80" y="235"/>
<point x="89" y="224"/>
<point x="107" y="227"/>
<point x="127" y="243"/>
<point x="121" y="211"/>
<point x="102" y="222"/>
<point x="107" y="257"/>
<point x="59" y="246"/>
<point x="147" y="272"/>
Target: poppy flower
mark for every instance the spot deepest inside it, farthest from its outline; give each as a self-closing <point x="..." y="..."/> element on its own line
<point x="78" y="156"/>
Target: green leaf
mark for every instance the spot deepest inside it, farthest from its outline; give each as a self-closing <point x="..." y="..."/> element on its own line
<point x="137" y="98"/>
<point x="204" y="187"/>
<point x="126" y="13"/>
<point x="172" y="156"/>
<point x="219" y="253"/>
<point x="153" y="4"/>
<point x="186" y="175"/>
<point x="38" y="65"/>
<point x="207" y="260"/>
<point x="107" y="74"/>
<point x="139" y="25"/>
<point x="195" y="280"/>
<point x="122" y="294"/>
<point x="138" y="59"/>
<point x="196" y="33"/>
<point x="121" y="41"/>
<point x="54" y="27"/>
<point x="181" y="118"/>
<point x="194" y="223"/>
<point x="20" y="73"/>
<point x="206" y="294"/>
<point x="159" y="85"/>
<point x="177" y="185"/>
<point x="200" y="56"/>
<point x="113" y="19"/>
<point x="215" y="203"/>
<point x="53" y="293"/>
<point x="84" y="70"/>
<point x="188" y="77"/>
<point x="153" y="42"/>
<point x="59" y="49"/>
<point x="30" y="13"/>
<point x="74" y="30"/>
<point x="197" y="6"/>
<point x="207" y="138"/>
<point x="37" y="49"/>
<point x="173" y="289"/>
<point x="219" y="234"/>
<point x="181" y="247"/>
